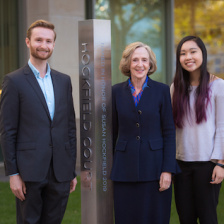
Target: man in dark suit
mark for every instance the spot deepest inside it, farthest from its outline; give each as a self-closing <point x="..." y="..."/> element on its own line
<point x="38" y="132"/>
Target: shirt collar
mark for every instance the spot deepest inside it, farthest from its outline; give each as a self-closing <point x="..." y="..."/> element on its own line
<point x="36" y="72"/>
<point x="145" y="84"/>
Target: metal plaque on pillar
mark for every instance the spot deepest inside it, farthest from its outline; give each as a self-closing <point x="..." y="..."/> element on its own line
<point x="95" y="121"/>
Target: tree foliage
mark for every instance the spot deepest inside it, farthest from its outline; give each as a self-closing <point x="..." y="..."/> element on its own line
<point x="203" y="18"/>
<point x="200" y="17"/>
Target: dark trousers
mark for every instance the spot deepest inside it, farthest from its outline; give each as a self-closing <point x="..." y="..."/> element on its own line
<point x="45" y="201"/>
<point x="196" y="199"/>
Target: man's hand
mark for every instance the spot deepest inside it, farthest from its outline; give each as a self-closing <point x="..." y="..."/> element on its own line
<point x="18" y="187"/>
<point x="73" y="185"/>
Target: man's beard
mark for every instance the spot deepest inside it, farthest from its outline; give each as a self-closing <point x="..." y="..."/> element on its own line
<point x="35" y="54"/>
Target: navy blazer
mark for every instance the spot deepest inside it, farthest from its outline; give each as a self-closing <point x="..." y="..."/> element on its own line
<point x="30" y="140"/>
<point x="143" y="136"/>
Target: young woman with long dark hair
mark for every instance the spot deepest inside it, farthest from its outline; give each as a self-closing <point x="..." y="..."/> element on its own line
<point x="198" y="109"/>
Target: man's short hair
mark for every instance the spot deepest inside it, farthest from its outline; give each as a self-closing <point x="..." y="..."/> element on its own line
<point x="40" y="23"/>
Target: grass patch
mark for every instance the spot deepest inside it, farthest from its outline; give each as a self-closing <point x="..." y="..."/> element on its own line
<point x="73" y="211"/>
<point x="7" y="204"/>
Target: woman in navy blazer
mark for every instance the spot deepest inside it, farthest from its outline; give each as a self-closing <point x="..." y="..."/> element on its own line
<point x="143" y="140"/>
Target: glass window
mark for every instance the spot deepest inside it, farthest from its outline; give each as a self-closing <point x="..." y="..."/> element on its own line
<point x="8" y="39"/>
<point x="205" y="19"/>
<point x="134" y="20"/>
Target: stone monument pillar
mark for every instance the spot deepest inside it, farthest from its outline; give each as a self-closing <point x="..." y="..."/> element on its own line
<point x="95" y="121"/>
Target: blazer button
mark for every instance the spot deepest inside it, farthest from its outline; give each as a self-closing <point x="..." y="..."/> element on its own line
<point x="51" y="145"/>
<point x="139" y="112"/>
<point x="137" y="125"/>
<point x="138" y="137"/>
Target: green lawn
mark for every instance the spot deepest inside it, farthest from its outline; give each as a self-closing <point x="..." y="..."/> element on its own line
<point x="73" y="211"/>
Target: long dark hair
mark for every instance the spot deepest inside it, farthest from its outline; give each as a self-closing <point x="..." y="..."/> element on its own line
<point x="182" y="86"/>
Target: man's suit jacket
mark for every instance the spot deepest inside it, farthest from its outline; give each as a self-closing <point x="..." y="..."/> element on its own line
<point x="30" y="140"/>
<point x="143" y="136"/>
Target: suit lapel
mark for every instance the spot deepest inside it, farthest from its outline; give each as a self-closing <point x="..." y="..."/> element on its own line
<point x="35" y="85"/>
<point x="146" y="92"/>
<point x="129" y="95"/>
<point x="150" y="82"/>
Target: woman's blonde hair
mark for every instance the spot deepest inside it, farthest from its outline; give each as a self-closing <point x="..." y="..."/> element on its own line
<point x="125" y="62"/>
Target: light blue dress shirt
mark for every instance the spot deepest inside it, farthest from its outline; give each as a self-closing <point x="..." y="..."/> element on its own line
<point x="47" y="87"/>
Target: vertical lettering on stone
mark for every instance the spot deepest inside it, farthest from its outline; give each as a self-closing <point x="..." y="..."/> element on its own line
<point x="95" y="121"/>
